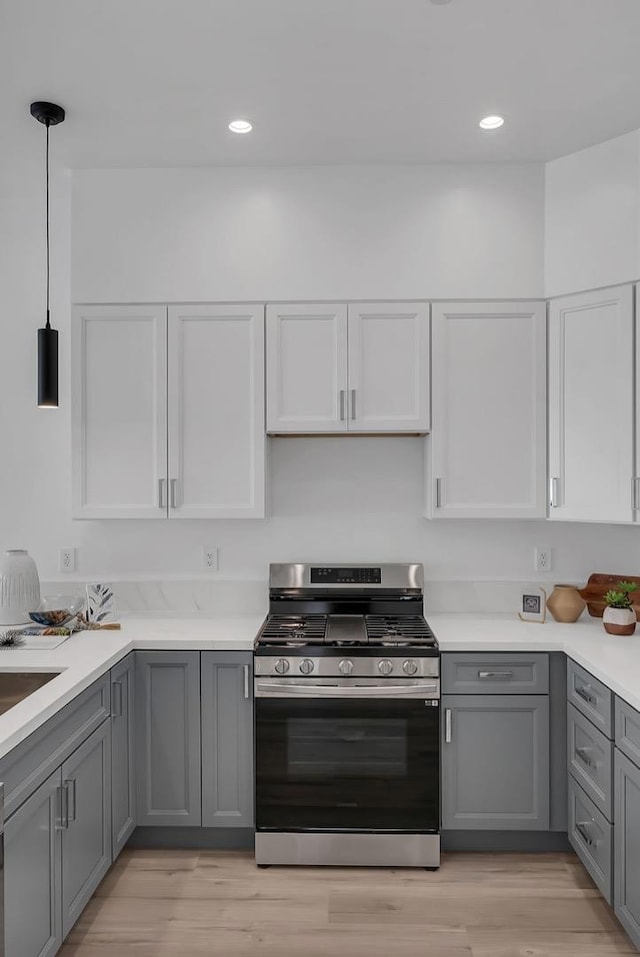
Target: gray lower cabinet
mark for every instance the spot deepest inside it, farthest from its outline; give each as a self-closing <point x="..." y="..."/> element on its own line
<point x="33" y="875"/>
<point x="168" y="762"/>
<point x="123" y="789"/>
<point x="495" y="762"/>
<point x="626" y="874"/>
<point x="227" y="739"/>
<point x="58" y="849"/>
<point x="86" y="835"/>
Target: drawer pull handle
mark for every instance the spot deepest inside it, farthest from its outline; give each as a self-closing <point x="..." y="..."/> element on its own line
<point x="583" y="754"/>
<point x="584" y="694"/>
<point x="499" y="675"/>
<point x="584" y="834"/>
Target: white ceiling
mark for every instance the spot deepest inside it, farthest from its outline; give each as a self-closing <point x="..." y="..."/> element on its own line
<point x="155" y="82"/>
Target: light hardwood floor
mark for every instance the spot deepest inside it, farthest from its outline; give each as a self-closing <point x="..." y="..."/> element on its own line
<point x="217" y="903"/>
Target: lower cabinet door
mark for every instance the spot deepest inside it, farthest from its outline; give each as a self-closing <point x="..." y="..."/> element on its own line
<point x="227" y="739"/>
<point x="123" y="787"/>
<point x="626" y="868"/>
<point x="168" y="761"/>
<point x="86" y="838"/>
<point x="32" y="875"/>
<point x="495" y="762"/>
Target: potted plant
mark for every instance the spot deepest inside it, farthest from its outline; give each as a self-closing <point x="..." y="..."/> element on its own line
<point x="619" y="617"/>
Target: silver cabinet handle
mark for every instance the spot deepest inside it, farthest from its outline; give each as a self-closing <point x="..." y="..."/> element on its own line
<point x="173" y="484"/>
<point x="635" y="498"/>
<point x="583" y="754"/>
<point x="353" y="403"/>
<point x="447" y="725"/>
<point x="581" y="828"/>
<point x="70" y="788"/>
<point x="162" y="484"/>
<point x="584" y="694"/>
<point x="438" y="492"/>
<point x="341" y="394"/>
<point x="245" y="674"/>
<point x="553" y="492"/>
<point x="495" y="675"/>
<point x="116" y="707"/>
<point x="63" y="804"/>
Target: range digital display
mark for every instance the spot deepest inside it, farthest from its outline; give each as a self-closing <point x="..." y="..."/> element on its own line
<point x="346" y="576"/>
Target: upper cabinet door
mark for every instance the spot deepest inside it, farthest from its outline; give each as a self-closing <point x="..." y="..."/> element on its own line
<point x="216" y="411"/>
<point x="307" y="368"/>
<point x="488" y="444"/>
<point x="119" y="414"/>
<point x="388" y="367"/>
<point x="591" y="394"/>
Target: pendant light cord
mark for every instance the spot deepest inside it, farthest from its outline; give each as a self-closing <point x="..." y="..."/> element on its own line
<point x="48" y="326"/>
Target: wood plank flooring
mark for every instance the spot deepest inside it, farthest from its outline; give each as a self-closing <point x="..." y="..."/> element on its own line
<point x="217" y="903"/>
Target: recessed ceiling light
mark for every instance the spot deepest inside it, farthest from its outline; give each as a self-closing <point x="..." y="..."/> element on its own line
<point x="240" y="126"/>
<point x="491" y="122"/>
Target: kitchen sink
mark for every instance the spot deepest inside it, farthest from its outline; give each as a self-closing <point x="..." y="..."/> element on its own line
<point x="17" y="685"/>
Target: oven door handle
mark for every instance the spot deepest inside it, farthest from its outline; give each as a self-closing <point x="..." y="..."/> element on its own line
<point x="278" y="689"/>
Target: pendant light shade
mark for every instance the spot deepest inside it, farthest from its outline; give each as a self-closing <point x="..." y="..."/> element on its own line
<point x="50" y="115"/>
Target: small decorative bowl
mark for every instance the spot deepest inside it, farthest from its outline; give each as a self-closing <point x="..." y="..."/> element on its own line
<point x="57" y="610"/>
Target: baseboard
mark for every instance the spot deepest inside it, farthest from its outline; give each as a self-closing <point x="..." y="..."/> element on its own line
<point x="523" y="841"/>
<point x="226" y="838"/>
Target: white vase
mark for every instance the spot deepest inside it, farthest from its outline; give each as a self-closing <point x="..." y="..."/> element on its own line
<point x="19" y="587"/>
<point x="619" y="621"/>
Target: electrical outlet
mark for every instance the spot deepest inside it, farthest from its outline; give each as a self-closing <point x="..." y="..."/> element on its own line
<point x="210" y="559"/>
<point x="543" y="558"/>
<point x="67" y="560"/>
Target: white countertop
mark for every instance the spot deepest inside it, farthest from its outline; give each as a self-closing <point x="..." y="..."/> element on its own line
<point x="87" y="655"/>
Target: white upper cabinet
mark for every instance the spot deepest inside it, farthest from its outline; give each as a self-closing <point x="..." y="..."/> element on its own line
<point x="168" y="414"/>
<point x="364" y="368"/>
<point x="307" y="368"/>
<point x="591" y="416"/>
<point x="487" y="452"/>
<point x="216" y="411"/>
<point x="388" y="368"/>
<point x="119" y="411"/>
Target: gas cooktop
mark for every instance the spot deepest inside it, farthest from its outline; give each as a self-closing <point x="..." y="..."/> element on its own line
<point x="340" y="631"/>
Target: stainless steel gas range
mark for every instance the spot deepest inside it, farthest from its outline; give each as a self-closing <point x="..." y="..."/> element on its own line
<point x="347" y="705"/>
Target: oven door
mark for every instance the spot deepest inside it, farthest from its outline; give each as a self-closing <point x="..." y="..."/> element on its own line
<point x="361" y="761"/>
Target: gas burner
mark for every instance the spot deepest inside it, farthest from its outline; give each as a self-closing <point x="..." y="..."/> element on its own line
<point x="293" y="630"/>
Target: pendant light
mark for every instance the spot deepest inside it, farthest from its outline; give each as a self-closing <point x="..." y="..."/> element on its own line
<point x="50" y="114"/>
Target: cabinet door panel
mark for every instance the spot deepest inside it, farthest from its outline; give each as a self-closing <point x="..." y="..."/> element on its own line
<point x="307" y="368"/>
<point x="388" y="367"/>
<point x="495" y="767"/>
<point x="626" y="836"/>
<point x="119" y="399"/>
<point x="168" y="738"/>
<point x="488" y="445"/>
<point x="86" y="842"/>
<point x="216" y="412"/>
<point x="227" y="739"/>
<point x="591" y="406"/>
<point x="123" y="793"/>
<point x="32" y="877"/>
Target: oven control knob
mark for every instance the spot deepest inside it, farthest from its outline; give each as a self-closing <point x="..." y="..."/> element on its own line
<point x="345" y="667"/>
<point x="306" y="666"/>
<point x="281" y="666"/>
<point x="410" y="667"/>
<point x="385" y="667"/>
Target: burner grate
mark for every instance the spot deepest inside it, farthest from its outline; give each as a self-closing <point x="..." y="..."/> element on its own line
<point x="293" y="629"/>
<point x="398" y="630"/>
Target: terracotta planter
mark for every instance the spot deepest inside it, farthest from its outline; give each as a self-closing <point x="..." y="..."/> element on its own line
<point x="619" y="621"/>
<point x="565" y="603"/>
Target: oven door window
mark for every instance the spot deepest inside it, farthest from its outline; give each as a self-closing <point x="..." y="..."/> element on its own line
<point x="361" y="764"/>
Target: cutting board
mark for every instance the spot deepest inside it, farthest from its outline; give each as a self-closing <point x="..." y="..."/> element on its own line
<point x="599" y="583"/>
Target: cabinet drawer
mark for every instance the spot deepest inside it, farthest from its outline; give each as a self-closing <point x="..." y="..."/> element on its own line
<point x="628" y="730"/>
<point x="590" y="759"/>
<point x="25" y="767"/>
<point x="591" y="837"/>
<point x="590" y="697"/>
<point x="501" y="673"/>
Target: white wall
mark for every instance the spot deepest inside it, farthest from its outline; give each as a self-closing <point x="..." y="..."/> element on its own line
<point x="331" y="499"/>
<point x="309" y="233"/>
<point x="592" y="217"/>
